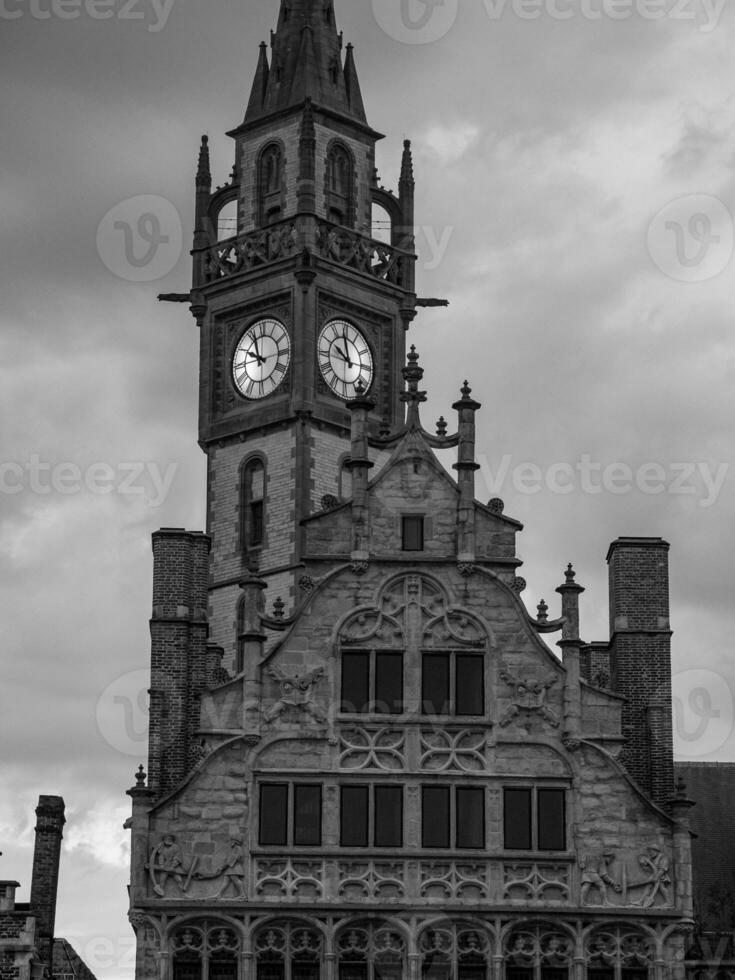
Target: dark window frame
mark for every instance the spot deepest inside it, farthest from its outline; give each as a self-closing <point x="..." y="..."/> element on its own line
<point x="370" y="792"/>
<point x="289" y="814"/>
<point x="535" y="836"/>
<point x="370" y="704"/>
<point x="451" y="792"/>
<point x="451" y="701"/>
<point x="413" y="533"/>
<point x="253" y="511"/>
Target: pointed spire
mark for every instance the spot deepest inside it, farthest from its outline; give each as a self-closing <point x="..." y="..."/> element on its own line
<point x="352" y="84"/>
<point x="260" y="83"/>
<point x="204" y="173"/>
<point x="407" y="166"/>
<point x="306" y="62"/>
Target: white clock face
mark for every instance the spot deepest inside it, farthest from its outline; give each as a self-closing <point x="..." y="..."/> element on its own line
<point x="261" y="359"/>
<point x="344" y="358"/>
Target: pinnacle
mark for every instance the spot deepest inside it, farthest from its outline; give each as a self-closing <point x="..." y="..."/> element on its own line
<point x="306" y="62"/>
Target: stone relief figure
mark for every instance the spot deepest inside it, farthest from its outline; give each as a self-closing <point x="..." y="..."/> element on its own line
<point x="166" y="862"/>
<point x="657" y="883"/>
<point x="529" y="696"/>
<point x="297" y="691"/>
<point x="596" y="875"/>
<point x="232" y="871"/>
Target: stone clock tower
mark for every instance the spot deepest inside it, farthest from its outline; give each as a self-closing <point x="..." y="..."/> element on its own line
<point x="298" y="304"/>
<point x="364" y="760"/>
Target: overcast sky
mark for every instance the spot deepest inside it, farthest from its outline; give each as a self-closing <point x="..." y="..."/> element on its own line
<point x="574" y="165"/>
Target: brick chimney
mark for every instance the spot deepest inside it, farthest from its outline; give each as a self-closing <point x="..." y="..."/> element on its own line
<point x="640" y="647"/>
<point x="179" y="656"/>
<point x="45" y="879"/>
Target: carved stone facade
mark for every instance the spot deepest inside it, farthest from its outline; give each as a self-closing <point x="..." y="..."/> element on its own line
<point x="366" y="761"/>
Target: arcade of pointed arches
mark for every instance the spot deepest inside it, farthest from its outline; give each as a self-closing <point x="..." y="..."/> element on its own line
<point x="381" y="948"/>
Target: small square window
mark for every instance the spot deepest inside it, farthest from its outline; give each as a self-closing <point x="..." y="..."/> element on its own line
<point x="412" y="533"/>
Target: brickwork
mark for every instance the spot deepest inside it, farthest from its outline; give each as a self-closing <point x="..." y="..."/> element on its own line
<point x="50" y="822"/>
<point x="277" y="449"/>
<point x="178" y="653"/>
<point x="641" y="659"/>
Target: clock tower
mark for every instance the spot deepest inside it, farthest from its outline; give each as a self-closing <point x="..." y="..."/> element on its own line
<point x="303" y="300"/>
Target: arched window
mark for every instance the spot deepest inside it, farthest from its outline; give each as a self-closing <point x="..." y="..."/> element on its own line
<point x="371" y="952"/>
<point x="619" y="953"/>
<point x="538" y="953"/>
<point x="454" y="953"/>
<point x="288" y="951"/>
<point x="339" y="189"/>
<point x="270" y="184"/>
<point x="207" y="945"/>
<point x="252" y="505"/>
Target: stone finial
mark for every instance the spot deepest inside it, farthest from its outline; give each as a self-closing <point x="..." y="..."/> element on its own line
<point x="203" y="168"/>
<point x="496" y="505"/>
<point x="140" y="777"/>
<point x="384" y="430"/>
<point x="278" y="608"/>
<point x="412" y="375"/>
<point x="441" y="427"/>
<point x="570" y="574"/>
<point x="543" y="612"/>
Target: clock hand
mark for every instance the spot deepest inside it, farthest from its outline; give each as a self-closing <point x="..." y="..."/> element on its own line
<point x="344" y="357"/>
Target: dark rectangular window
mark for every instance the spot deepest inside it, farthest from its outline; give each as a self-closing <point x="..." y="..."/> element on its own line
<point x="372" y="681"/>
<point x="388" y="830"/>
<point x="256" y="523"/>
<point x="185" y="969"/>
<point x="307" y="815"/>
<point x="270" y="971"/>
<point x="518" y="973"/>
<point x="435" y="684"/>
<point x="304" y="971"/>
<point x="387" y="971"/>
<point x="413" y="533"/>
<point x="554" y="973"/>
<point x="435" y="816"/>
<point x="470" y="690"/>
<point x="551" y="820"/>
<point x="389" y="683"/>
<point x="470" y="816"/>
<point x="471" y="971"/>
<point x="274" y="814"/>
<point x="355" y="681"/>
<point x="354" y="816"/>
<point x="436" y="967"/>
<point x="517" y="819"/>
<point x="222" y="969"/>
<point x="353" y="971"/>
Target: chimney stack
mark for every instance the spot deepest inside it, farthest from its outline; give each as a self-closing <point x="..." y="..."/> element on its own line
<point x="45" y="880"/>
<point x="640" y="646"/>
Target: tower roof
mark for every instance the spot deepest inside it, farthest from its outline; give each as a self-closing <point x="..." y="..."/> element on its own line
<point x="306" y="62"/>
